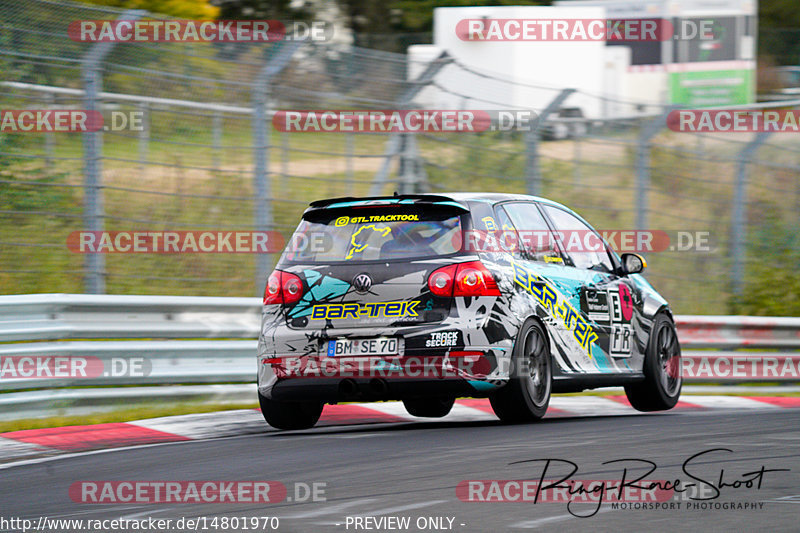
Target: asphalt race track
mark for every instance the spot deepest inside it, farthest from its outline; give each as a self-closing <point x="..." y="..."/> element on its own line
<point x="411" y="469"/>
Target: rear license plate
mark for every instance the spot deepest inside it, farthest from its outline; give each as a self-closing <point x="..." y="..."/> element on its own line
<point x="363" y="347"/>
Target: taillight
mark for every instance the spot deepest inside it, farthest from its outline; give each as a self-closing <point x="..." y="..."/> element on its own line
<point x="463" y="279"/>
<point x="474" y="279"/>
<point x="283" y="288"/>
<point x="440" y="282"/>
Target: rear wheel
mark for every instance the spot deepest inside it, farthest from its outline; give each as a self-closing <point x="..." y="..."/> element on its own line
<point x="429" y="407"/>
<point x="527" y="394"/>
<point x="290" y="415"/>
<point x="661" y="387"/>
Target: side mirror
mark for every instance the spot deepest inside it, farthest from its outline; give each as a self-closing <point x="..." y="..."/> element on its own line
<point x="633" y="263"/>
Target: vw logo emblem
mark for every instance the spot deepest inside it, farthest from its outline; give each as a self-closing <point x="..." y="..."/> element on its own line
<point x="362" y="283"/>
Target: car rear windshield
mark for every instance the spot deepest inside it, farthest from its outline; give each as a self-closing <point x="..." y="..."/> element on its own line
<point x="375" y="234"/>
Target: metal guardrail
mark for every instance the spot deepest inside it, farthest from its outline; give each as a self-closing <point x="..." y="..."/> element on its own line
<point x="204" y="340"/>
<point x="180" y="339"/>
<point x="730" y="332"/>
<point x="84" y="316"/>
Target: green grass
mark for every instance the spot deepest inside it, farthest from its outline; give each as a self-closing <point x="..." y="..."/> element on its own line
<point x="185" y="192"/>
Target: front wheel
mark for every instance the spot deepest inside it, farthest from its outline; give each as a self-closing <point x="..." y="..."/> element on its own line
<point x="661" y="387"/>
<point x="527" y="394"/>
<point x="290" y="415"/>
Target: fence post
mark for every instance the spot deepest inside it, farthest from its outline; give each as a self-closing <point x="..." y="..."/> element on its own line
<point x="393" y="147"/>
<point x="396" y="144"/>
<point x="144" y="135"/>
<point x="94" y="277"/>
<point x="738" y="211"/>
<point x="286" y="156"/>
<point x="576" y="161"/>
<point x="349" y="140"/>
<point x="648" y="131"/>
<point x="261" y="146"/>
<point x="533" y="174"/>
<point x="216" y="140"/>
<point x="49" y="137"/>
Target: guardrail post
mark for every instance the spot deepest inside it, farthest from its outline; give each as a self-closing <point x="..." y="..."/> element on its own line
<point x="739" y="213"/>
<point x="261" y="146"/>
<point x="643" y="146"/>
<point x="533" y="174"/>
<point x="94" y="278"/>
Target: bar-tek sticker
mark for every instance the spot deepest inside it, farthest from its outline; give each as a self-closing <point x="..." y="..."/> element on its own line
<point x="372" y="310"/>
<point x="557" y="306"/>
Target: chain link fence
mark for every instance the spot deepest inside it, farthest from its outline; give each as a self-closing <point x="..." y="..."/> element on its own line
<point x="207" y="157"/>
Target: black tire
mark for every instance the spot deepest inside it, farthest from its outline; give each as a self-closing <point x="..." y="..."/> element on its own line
<point x="429" y="407"/>
<point x="527" y="394"/>
<point x="290" y="415"/>
<point x="662" y="383"/>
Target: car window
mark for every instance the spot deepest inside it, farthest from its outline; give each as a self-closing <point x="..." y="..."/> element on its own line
<point x="379" y="233"/>
<point x="582" y="245"/>
<point x="533" y="234"/>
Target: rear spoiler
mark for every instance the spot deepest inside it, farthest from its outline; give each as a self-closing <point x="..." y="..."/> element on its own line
<point x="389" y="200"/>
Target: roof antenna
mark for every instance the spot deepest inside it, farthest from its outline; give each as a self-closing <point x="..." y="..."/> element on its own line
<point x="395" y="193"/>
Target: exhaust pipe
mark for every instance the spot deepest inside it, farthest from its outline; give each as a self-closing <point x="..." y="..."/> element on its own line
<point x="348" y="387"/>
<point x="378" y="386"/>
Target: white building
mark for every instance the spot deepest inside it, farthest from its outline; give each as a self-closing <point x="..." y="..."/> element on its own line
<point x="612" y="79"/>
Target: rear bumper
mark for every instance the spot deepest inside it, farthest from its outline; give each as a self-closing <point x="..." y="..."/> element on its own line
<point x="325" y="379"/>
<point x="453" y="343"/>
<point x="331" y="390"/>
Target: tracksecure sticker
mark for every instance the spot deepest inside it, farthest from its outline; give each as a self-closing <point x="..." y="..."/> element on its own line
<point x="442" y="339"/>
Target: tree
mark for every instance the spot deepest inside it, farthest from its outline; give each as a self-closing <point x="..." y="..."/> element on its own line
<point x="191" y="9"/>
<point x="417" y="15"/>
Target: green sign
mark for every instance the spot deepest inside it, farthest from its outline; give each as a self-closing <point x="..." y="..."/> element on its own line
<point x="712" y="87"/>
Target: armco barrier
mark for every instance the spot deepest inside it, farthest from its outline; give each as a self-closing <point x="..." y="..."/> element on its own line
<point x="731" y="332"/>
<point x="204" y="340"/>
